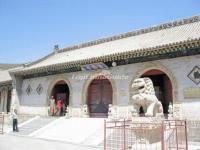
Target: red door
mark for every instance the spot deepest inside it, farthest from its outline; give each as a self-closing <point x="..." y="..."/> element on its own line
<point x="99" y="97"/>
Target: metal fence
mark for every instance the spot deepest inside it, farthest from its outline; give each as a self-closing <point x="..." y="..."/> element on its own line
<point x="1" y="123"/>
<point x="153" y="135"/>
<point x="175" y="135"/>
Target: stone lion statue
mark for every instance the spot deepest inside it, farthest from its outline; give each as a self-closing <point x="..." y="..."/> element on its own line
<point x="144" y="95"/>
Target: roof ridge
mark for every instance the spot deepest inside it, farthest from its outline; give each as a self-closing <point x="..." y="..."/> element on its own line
<point x="133" y="33"/>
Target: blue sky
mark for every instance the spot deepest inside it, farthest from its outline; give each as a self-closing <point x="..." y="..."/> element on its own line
<point x="30" y="28"/>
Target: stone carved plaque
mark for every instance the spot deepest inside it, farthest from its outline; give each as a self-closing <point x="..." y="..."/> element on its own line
<point x="194" y="75"/>
<point x="39" y="89"/>
<point x="191" y="92"/>
<point x="28" y="90"/>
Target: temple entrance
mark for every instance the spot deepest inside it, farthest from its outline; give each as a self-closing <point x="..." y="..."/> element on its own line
<point x="5" y="100"/>
<point x="60" y="93"/>
<point x="8" y="101"/>
<point x="99" y="96"/>
<point x="162" y="86"/>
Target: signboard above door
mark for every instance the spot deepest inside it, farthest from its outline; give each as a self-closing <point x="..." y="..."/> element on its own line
<point x="95" y="66"/>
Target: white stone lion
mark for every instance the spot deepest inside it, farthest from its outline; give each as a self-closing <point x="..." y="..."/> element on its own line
<point x="144" y="95"/>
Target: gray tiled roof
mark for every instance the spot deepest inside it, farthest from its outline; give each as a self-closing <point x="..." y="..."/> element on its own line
<point x="4" y="72"/>
<point x="4" y="77"/>
<point x="7" y="66"/>
<point x="168" y="33"/>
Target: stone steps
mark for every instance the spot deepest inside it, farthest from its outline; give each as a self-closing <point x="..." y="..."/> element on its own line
<point x="85" y="131"/>
<point x="96" y="138"/>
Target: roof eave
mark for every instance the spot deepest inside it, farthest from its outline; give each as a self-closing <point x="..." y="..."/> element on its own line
<point x="115" y="56"/>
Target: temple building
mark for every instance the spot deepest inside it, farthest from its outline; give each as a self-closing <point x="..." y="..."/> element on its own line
<point x="100" y="72"/>
<point x="5" y="87"/>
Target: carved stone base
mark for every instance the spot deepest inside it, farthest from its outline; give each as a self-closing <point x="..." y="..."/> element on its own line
<point x="85" y="111"/>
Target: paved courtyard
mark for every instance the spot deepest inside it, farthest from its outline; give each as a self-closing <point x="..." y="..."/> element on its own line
<point x="11" y="142"/>
<point x="41" y="133"/>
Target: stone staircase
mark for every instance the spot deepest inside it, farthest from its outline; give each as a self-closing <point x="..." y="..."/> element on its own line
<point x="84" y="131"/>
<point x="33" y="125"/>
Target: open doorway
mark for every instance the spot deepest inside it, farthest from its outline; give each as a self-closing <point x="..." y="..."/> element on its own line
<point x="162" y="86"/>
<point x="60" y="94"/>
<point x="8" y="101"/>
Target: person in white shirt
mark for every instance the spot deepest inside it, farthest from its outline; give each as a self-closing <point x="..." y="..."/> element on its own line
<point x="15" y="120"/>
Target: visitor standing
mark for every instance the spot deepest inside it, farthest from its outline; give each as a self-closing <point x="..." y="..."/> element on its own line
<point x="59" y="106"/>
<point x="52" y="106"/>
<point x="15" y="120"/>
<point x="63" y="109"/>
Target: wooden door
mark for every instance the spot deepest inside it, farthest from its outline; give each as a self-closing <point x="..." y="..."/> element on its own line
<point x="99" y="97"/>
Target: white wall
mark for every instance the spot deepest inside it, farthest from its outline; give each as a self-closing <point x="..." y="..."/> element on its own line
<point x="179" y="67"/>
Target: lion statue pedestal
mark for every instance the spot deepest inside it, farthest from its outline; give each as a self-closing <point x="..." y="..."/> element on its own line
<point x="112" y="112"/>
<point x="85" y="111"/>
<point x="144" y="95"/>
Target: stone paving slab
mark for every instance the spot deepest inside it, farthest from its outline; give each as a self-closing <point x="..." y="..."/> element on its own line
<point x="13" y="142"/>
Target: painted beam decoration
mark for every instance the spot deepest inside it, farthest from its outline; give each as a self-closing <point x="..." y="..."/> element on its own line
<point x="95" y="66"/>
<point x="194" y="75"/>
